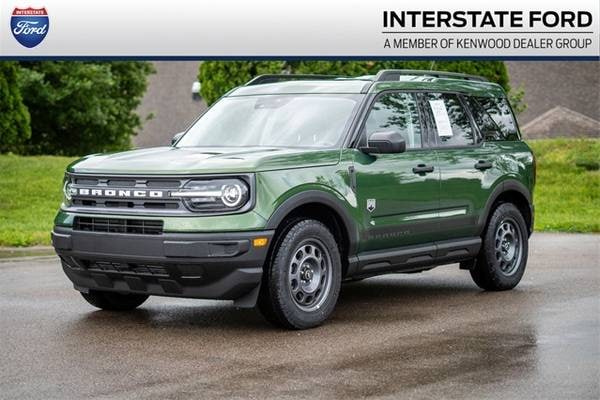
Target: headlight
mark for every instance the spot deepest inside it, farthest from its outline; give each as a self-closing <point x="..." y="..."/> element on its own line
<point x="68" y="191"/>
<point x="217" y="195"/>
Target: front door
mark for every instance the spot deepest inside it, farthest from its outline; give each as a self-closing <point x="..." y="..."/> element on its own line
<point x="397" y="193"/>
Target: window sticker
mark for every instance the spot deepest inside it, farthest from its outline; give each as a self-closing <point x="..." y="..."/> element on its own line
<point x="440" y="114"/>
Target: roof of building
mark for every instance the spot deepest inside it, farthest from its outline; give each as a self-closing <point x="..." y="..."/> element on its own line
<point x="559" y="122"/>
<point x="569" y="84"/>
<point x="384" y="80"/>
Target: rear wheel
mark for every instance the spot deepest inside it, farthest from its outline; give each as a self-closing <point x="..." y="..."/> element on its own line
<point x="114" y="301"/>
<point x="302" y="280"/>
<point x="503" y="257"/>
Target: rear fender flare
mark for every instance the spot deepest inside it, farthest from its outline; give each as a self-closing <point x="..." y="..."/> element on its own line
<point x="505" y="186"/>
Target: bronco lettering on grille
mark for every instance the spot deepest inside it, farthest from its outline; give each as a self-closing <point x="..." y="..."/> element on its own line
<point x="120" y="193"/>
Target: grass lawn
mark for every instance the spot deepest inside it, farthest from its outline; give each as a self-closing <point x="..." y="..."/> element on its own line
<point x="566" y="196"/>
<point x="30" y="194"/>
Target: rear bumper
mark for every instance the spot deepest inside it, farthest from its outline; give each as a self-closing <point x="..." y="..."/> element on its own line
<point x="195" y="265"/>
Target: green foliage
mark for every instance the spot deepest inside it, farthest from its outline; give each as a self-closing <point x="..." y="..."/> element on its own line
<point x="567" y="194"/>
<point x="516" y="98"/>
<point x="218" y="77"/>
<point x="14" y="117"/>
<point x="30" y="194"/>
<point x="82" y="107"/>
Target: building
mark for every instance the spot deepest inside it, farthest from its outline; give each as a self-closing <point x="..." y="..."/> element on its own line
<point x="169" y="102"/>
<point x="562" y="99"/>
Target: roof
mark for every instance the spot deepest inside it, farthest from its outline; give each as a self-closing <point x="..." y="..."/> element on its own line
<point x="384" y="80"/>
<point x="484" y="89"/>
<point x="295" y="87"/>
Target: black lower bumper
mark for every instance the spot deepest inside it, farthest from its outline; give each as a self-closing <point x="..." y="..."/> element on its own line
<point x="209" y="266"/>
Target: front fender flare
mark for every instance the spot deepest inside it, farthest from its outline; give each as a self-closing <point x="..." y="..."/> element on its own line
<point x="319" y="197"/>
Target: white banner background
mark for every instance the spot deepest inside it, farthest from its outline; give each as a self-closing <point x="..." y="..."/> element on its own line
<point x="271" y="28"/>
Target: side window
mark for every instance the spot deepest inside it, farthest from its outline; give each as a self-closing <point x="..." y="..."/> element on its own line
<point x="450" y="122"/>
<point x="487" y="126"/>
<point x="396" y="112"/>
<point x="499" y="110"/>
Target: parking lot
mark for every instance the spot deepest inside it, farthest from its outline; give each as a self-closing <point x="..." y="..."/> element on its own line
<point x="427" y="335"/>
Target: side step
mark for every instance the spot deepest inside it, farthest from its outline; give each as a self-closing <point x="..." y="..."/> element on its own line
<point x="409" y="258"/>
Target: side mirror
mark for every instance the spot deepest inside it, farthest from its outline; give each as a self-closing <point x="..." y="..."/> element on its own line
<point x="385" y="142"/>
<point x="176" y="138"/>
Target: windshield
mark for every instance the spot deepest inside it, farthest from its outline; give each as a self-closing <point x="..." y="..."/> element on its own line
<point x="306" y="120"/>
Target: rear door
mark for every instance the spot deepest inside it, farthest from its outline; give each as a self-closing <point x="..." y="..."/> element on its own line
<point x="466" y="164"/>
<point x="398" y="194"/>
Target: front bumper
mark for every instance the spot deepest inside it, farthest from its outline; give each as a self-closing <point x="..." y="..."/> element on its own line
<point x="197" y="265"/>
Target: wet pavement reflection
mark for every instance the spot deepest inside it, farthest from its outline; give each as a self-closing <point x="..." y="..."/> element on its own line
<point x="425" y="335"/>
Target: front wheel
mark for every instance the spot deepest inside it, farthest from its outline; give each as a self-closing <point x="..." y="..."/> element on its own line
<point x="502" y="259"/>
<point x="114" y="301"/>
<point x="302" y="280"/>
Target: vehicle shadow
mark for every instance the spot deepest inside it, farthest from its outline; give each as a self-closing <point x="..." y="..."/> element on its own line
<point x="390" y="297"/>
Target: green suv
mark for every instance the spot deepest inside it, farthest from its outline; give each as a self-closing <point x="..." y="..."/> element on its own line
<point x="292" y="184"/>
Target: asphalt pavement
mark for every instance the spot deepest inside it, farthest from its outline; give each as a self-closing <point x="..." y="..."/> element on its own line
<point x="418" y="336"/>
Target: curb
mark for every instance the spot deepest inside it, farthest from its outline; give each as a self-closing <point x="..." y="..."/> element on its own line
<point x="18" y="252"/>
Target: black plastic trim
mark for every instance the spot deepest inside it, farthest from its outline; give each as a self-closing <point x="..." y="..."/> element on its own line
<point x="416" y="257"/>
<point x="506" y="186"/>
<point x="197" y="265"/>
<point x="317" y="196"/>
<point x="167" y="247"/>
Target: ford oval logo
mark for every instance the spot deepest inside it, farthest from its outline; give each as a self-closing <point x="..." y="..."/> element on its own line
<point x="29" y="25"/>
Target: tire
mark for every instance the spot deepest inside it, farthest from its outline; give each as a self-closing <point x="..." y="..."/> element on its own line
<point x="111" y="301"/>
<point x="302" y="279"/>
<point x="501" y="262"/>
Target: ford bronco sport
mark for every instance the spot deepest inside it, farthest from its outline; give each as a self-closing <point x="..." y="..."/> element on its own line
<point x="291" y="184"/>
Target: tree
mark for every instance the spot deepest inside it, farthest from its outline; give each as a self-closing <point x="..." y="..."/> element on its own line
<point x="14" y="117"/>
<point x="218" y="77"/>
<point x="82" y="107"/>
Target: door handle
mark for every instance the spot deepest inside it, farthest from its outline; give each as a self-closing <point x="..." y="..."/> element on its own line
<point x="483" y="165"/>
<point x="423" y="169"/>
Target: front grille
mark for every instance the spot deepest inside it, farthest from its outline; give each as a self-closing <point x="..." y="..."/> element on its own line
<point x="127" y="268"/>
<point x="130" y="203"/>
<point x="118" y="225"/>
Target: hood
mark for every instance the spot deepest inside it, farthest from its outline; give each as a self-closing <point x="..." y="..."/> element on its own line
<point x="203" y="160"/>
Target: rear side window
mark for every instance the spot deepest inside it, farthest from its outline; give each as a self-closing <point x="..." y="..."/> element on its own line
<point x="449" y="120"/>
<point x="499" y="110"/>
<point x="396" y="112"/>
<point x="487" y="126"/>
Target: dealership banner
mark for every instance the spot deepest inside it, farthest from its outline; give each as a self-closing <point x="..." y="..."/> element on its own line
<point x="317" y="29"/>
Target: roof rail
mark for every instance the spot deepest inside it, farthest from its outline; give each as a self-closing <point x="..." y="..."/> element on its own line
<point x="395" y="74"/>
<point x="274" y="78"/>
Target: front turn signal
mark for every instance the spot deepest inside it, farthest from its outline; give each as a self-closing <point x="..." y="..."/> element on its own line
<point x="260" y="242"/>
